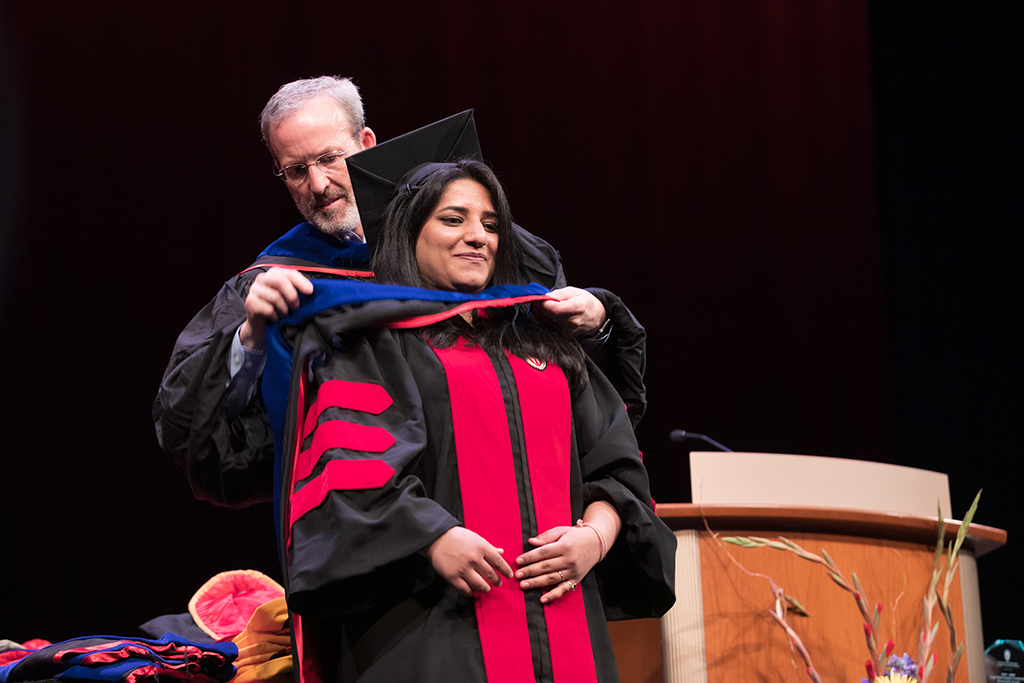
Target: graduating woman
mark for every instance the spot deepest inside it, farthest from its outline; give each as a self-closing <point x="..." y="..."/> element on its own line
<point x="461" y="493"/>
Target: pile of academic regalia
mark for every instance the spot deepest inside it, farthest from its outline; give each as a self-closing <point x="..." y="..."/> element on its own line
<point x="236" y="630"/>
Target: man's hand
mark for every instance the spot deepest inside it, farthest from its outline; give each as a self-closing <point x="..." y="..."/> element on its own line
<point x="467" y="561"/>
<point x="575" y="310"/>
<point x="273" y="295"/>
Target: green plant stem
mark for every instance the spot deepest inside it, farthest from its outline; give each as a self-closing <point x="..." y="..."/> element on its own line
<point x="794" y="638"/>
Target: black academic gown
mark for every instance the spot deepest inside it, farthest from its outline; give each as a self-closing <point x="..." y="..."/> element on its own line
<point x="388" y="443"/>
<point x="228" y="459"/>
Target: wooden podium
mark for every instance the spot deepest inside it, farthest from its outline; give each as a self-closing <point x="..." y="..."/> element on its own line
<point x="720" y="631"/>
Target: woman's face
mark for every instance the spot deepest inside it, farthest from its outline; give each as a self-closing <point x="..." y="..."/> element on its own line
<point x="456" y="247"/>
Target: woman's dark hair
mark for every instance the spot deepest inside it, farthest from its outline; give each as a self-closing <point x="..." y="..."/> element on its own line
<point x="512" y="328"/>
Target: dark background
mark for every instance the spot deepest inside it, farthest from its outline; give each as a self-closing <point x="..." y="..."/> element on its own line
<point x="815" y="208"/>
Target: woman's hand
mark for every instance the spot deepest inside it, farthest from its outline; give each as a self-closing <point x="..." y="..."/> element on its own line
<point x="565" y="554"/>
<point x="467" y="561"/>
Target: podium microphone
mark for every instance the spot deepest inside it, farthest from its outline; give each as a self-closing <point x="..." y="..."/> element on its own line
<point x="681" y="435"/>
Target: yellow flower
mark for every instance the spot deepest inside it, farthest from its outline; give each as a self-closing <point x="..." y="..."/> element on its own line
<point x="894" y="677"/>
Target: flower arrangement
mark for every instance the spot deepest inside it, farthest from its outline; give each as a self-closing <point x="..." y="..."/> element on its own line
<point x="883" y="666"/>
<point x="898" y="670"/>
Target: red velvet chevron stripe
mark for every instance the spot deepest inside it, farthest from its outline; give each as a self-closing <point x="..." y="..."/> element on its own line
<point x="339" y="475"/>
<point x="341" y="434"/>
<point x="339" y="393"/>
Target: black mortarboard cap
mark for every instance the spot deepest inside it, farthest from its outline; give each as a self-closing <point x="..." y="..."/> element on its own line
<point x="376" y="171"/>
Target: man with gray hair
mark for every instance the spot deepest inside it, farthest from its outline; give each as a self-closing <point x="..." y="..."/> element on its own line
<point x="208" y="413"/>
<point x="309" y="115"/>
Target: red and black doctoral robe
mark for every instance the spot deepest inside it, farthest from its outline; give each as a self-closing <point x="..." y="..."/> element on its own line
<point x="391" y="443"/>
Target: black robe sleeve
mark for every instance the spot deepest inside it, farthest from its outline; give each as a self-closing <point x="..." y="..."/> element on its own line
<point x="637" y="577"/>
<point x="623" y="357"/>
<point x="227" y="462"/>
<point x="362" y="543"/>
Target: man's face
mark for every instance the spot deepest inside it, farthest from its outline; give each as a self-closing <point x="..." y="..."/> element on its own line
<point x="324" y="197"/>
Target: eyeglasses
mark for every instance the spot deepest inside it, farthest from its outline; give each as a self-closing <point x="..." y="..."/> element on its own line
<point x="333" y="160"/>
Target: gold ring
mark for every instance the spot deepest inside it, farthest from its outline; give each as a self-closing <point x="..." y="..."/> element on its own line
<point x="572" y="586"/>
<point x="560" y="574"/>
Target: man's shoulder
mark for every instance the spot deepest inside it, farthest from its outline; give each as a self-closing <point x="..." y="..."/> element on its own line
<point x="306" y="249"/>
<point x="306" y="245"/>
<point x="312" y="268"/>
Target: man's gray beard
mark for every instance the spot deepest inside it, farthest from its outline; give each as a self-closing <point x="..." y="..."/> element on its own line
<point x="334" y="223"/>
